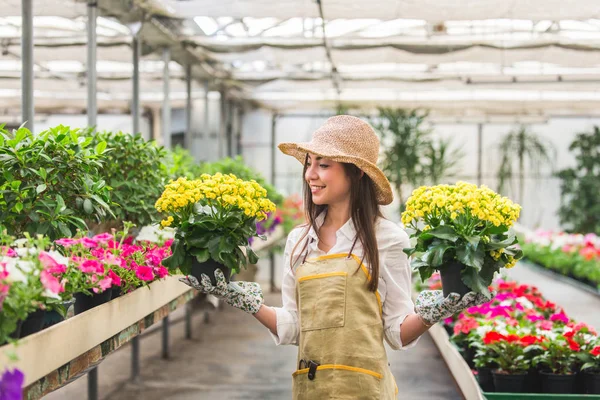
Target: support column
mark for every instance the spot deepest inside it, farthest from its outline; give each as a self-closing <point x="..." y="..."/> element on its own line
<point x="239" y="128"/>
<point x="206" y="134"/>
<point x="166" y="108"/>
<point x="189" y="137"/>
<point x="479" y="152"/>
<point x="27" y="106"/>
<point x="136" y="45"/>
<point x="273" y="178"/>
<point x="222" y="125"/>
<point x="92" y="104"/>
<point x="165" y="337"/>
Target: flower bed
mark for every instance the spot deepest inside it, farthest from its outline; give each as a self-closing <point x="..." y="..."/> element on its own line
<point x="574" y="255"/>
<point x="522" y="343"/>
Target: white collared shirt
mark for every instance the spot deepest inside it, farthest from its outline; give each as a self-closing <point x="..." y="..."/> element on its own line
<point x="394" y="277"/>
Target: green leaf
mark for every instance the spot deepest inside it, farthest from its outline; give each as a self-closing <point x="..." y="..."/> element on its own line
<point x="252" y="257"/>
<point x="178" y="257"/>
<point x="34" y="216"/>
<point x="60" y="204"/>
<point x="43" y="173"/>
<point x="19" y="207"/>
<point x="100" y="147"/>
<point x="201" y="254"/>
<point x="15" y="185"/>
<point x="64" y="229"/>
<point x="435" y="254"/>
<point x="471" y="278"/>
<point x="471" y="256"/>
<point x="40" y="188"/>
<point x="87" y="206"/>
<point x="501" y="242"/>
<point x="443" y="232"/>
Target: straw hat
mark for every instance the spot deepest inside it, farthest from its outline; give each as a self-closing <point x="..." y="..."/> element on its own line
<point x="346" y="139"/>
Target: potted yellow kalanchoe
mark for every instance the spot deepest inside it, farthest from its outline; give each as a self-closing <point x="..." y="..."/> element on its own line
<point x="213" y="216"/>
<point x="464" y="232"/>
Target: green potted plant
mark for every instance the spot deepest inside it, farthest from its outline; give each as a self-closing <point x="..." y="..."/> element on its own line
<point x="50" y="182"/>
<point x="590" y="357"/>
<point x="134" y="170"/>
<point x="214" y="216"/>
<point x="557" y="358"/>
<point x="461" y="230"/>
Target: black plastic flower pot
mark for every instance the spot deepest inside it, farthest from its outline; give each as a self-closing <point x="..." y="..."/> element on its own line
<point x="116" y="292"/>
<point x="557" y="383"/>
<point x="33" y="323"/>
<point x="84" y="302"/>
<point x="591" y="382"/>
<point x="16" y="334"/>
<point x="509" y="383"/>
<point x="451" y="279"/>
<point x="485" y="378"/>
<point x="208" y="268"/>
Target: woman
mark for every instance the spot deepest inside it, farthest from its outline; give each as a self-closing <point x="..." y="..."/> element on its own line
<point x="346" y="284"/>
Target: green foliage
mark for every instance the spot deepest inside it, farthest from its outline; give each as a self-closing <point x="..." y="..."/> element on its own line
<point x="518" y="147"/>
<point x="580" y="185"/>
<point x="179" y="162"/>
<point x="136" y="174"/>
<point x="51" y="182"/>
<point x="237" y="167"/>
<point x="411" y="157"/>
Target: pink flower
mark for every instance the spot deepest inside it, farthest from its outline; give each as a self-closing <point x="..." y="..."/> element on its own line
<point x="116" y="279"/>
<point x="104" y="283"/>
<point x="162" y="272"/>
<point x="169" y="242"/>
<point x="103" y="238"/>
<point x="535" y="318"/>
<point x="89" y="243"/>
<point x="7" y="251"/>
<point x="560" y="316"/>
<point x="545" y="325"/>
<point x="144" y="273"/>
<point x="66" y="242"/>
<point x="93" y="266"/>
<point x="50" y="264"/>
<point x="50" y="282"/>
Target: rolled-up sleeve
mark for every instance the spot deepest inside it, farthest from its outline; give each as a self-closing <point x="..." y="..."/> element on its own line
<point x="287" y="315"/>
<point x="396" y="274"/>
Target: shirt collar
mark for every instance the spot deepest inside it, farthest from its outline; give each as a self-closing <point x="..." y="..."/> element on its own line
<point x="347" y="229"/>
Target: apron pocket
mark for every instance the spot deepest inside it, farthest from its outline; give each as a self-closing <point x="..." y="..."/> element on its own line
<point x="337" y="382"/>
<point x="322" y="300"/>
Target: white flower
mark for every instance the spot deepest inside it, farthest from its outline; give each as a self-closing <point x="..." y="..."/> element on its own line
<point x="50" y="294"/>
<point x="18" y="269"/>
<point x="59" y="258"/>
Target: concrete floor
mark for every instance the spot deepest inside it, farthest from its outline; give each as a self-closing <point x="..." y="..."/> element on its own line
<point x="233" y="358"/>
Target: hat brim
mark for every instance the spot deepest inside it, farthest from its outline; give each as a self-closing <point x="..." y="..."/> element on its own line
<point x="382" y="185"/>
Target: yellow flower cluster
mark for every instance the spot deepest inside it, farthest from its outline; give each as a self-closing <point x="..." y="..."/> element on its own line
<point x="449" y="202"/>
<point x="223" y="191"/>
<point x="511" y="262"/>
<point x="496" y="254"/>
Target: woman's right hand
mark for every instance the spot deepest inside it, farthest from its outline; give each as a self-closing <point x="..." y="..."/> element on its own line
<point x="246" y="296"/>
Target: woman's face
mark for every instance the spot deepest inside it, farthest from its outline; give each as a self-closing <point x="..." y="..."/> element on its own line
<point x="328" y="181"/>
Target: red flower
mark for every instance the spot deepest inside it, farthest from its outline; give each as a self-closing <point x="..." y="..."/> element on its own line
<point x="573" y="344"/>
<point x="528" y="340"/>
<point x="493" y="337"/>
<point x="595" y="351"/>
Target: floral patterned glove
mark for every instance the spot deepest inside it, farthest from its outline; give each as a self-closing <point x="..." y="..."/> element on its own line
<point x="247" y="296"/>
<point x="432" y="307"/>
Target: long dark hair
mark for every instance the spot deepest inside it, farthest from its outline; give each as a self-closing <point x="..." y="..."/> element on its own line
<point x="364" y="211"/>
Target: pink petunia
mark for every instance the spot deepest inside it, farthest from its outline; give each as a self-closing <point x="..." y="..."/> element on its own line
<point x="116" y="279"/>
<point x="89" y="243"/>
<point x="103" y="238"/>
<point x="144" y="273"/>
<point x="169" y="242"/>
<point x="50" y="264"/>
<point x="162" y="272"/>
<point x="7" y="251"/>
<point x="66" y="242"/>
<point x="104" y="283"/>
<point x="50" y="282"/>
<point x="92" y="266"/>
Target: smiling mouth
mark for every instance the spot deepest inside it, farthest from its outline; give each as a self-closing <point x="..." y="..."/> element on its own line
<point x="315" y="188"/>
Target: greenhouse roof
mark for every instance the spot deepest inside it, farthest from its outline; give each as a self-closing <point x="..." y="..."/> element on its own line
<point x="457" y="57"/>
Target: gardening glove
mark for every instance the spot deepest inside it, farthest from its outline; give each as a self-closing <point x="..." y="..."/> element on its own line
<point x="247" y="296"/>
<point x="432" y="307"/>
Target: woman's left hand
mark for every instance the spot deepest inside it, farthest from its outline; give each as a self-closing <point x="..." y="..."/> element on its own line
<point x="432" y="307"/>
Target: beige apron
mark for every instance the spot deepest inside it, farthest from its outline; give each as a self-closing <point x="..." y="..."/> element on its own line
<point x="340" y="352"/>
